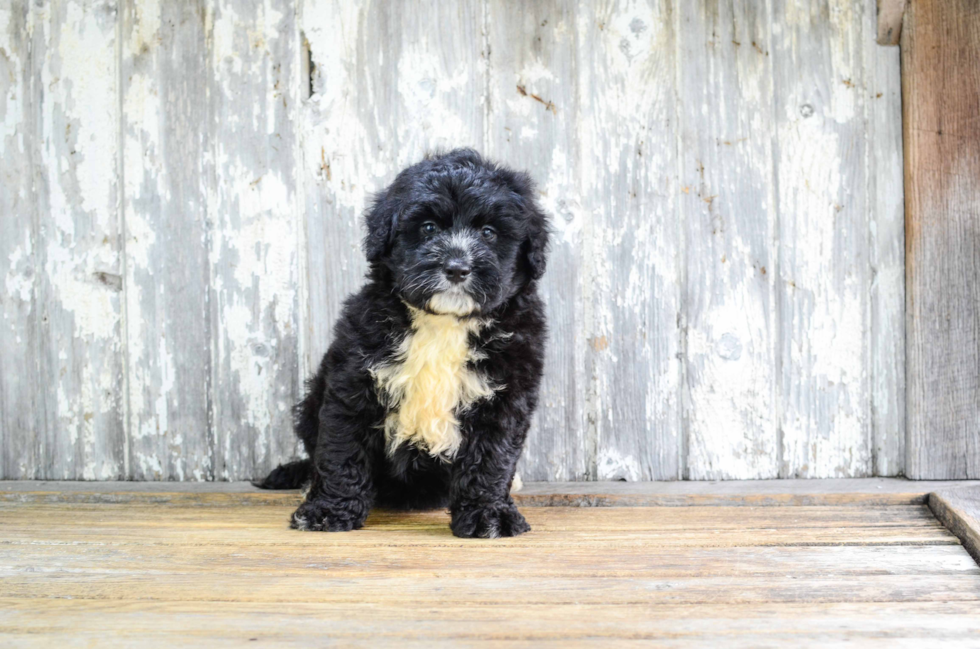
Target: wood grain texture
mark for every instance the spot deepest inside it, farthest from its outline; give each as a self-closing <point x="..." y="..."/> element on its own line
<point x="627" y="76"/>
<point x="959" y="511"/>
<point x="729" y="214"/>
<point x="252" y="208"/>
<point x="889" y="21"/>
<point x="844" y="492"/>
<point x="80" y="350"/>
<point x="165" y="139"/>
<point x="182" y="574"/>
<point x="535" y="123"/>
<point x="823" y="292"/>
<point x="474" y="562"/>
<point x="886" y="198"/>
<point x="941" y="90"/>
<point x="19" y="381"/>
<point x="880" y="625"/>
<point x="725" y="289"/>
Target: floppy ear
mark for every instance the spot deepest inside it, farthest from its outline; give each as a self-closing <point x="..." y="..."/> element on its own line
<point x="382" y="224"/>
<point x="535" y="245"/>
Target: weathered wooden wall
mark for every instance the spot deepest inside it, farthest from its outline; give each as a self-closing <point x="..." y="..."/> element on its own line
<point x="941" y="62"/>
<point x="182" y="184"/>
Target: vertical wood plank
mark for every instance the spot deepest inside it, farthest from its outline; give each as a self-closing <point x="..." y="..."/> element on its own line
<point x="535" y="124"/>
<point x="820" y="87"/>
<point x="888" y="25"/>
<point x="887" y="212"/>
<point x="18" y="328"/>
<point x="941" y="91"/>
<point x="626" y="76"/>
<point x="253" y="245"/>
<point x="387" y="88"/>
<point x="164" y="122"/>
<point x="729" y="215"/>
<point x="78" y="261"/>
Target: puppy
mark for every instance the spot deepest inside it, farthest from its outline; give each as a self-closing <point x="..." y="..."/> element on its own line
<point x="425" y="396"/>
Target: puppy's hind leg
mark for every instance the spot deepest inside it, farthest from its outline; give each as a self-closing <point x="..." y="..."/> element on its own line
<point x="292" y="475"/>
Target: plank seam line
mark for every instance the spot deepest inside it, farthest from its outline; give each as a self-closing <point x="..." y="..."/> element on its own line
<point x="776" y="310"/>
<point x="683" y="430"/>
<point x="209" y="177"/>
<point x="121" y="16"/>
<point x="486" y="78"/>
<point x="39" y="396"/>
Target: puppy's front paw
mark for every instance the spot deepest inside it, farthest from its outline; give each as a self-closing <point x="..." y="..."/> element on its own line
<point x="319" y="516"/>
<point x="489" y="521"/>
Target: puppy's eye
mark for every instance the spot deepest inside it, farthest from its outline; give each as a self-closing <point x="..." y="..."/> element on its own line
<point x="429" y="228"/>
<point x="488" y="233"/>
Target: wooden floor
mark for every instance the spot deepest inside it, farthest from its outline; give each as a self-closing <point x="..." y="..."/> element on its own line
<point x="82" y="569"/>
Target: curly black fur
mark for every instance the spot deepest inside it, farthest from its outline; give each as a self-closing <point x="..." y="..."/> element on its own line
<point x="340" y="421"/>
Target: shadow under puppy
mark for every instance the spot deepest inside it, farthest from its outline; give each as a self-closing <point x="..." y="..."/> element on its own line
<point x="425" y="396"/>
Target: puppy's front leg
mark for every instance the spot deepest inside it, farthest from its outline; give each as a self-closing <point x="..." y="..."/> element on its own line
<point x="480" y="501"/>
<point x="342" y="491"/>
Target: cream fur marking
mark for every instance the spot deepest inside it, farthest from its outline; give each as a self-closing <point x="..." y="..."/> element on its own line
<point x="428" y="384"/>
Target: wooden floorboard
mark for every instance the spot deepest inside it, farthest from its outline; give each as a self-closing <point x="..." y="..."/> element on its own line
<point x="218" y="569"/>
<point x="959" y="510"/>
<point x="843" y="491"/>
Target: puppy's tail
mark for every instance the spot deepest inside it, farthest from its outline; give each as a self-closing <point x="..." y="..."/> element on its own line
<point x="291" y="475"/>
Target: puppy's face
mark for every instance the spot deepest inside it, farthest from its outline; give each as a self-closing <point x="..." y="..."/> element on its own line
<point x="453" y="260"/>
<point x="459" y="235"/>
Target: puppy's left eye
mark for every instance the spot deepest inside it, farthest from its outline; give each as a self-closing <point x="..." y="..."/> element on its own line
<point x="488" y="233"/>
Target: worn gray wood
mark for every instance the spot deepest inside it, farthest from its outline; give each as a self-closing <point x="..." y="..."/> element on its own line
<point x="889" y="21"/>
<point x="725" y="288"/>
<point x="18" y="240"/>
<point x="253" y="210"/>
<point x="959" y="510"/>
<point x="887" y="227"/>
<point x="333" y="191"/>
<point x="626" y="69"/>
<point x="535" y="123"/>
<point x="729" y="214"/>
<point x="823" y="264"/>
<point x="78" y="257"/>
<point x="941" y="90"/>
<point x="845" y="492"/>
<point x="164" y="119"/>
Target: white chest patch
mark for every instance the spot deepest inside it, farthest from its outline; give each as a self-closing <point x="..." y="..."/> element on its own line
<point x="427" y="384"/>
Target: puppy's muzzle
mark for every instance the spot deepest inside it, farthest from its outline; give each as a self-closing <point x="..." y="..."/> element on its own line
<point x="456" y="270"/>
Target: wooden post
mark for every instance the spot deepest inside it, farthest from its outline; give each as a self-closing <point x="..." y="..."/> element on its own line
<point x="890" y="14"/>
<point x="941" y="90"/>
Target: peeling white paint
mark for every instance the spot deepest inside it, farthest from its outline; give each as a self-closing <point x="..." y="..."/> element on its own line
<point x="422" y="83"/>
<point x="87" y="72"/>
<point x="825" y="397"/>
<point x="146" y="18"/>
<point x="20" y="281"/>
<point x="614" y="466"/>
<point x="254" y="243"/>
<point x="636" y="301"/>
<point x="92" y="305"/>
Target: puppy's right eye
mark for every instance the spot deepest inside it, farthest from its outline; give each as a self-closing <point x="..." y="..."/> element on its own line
<point x="429" y="228"/>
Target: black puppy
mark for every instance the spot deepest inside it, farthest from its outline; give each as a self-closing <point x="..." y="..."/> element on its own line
<point x="425" y="396"/>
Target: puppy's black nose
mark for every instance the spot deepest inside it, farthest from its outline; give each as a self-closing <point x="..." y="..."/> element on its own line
<point x="457" y="270"/>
